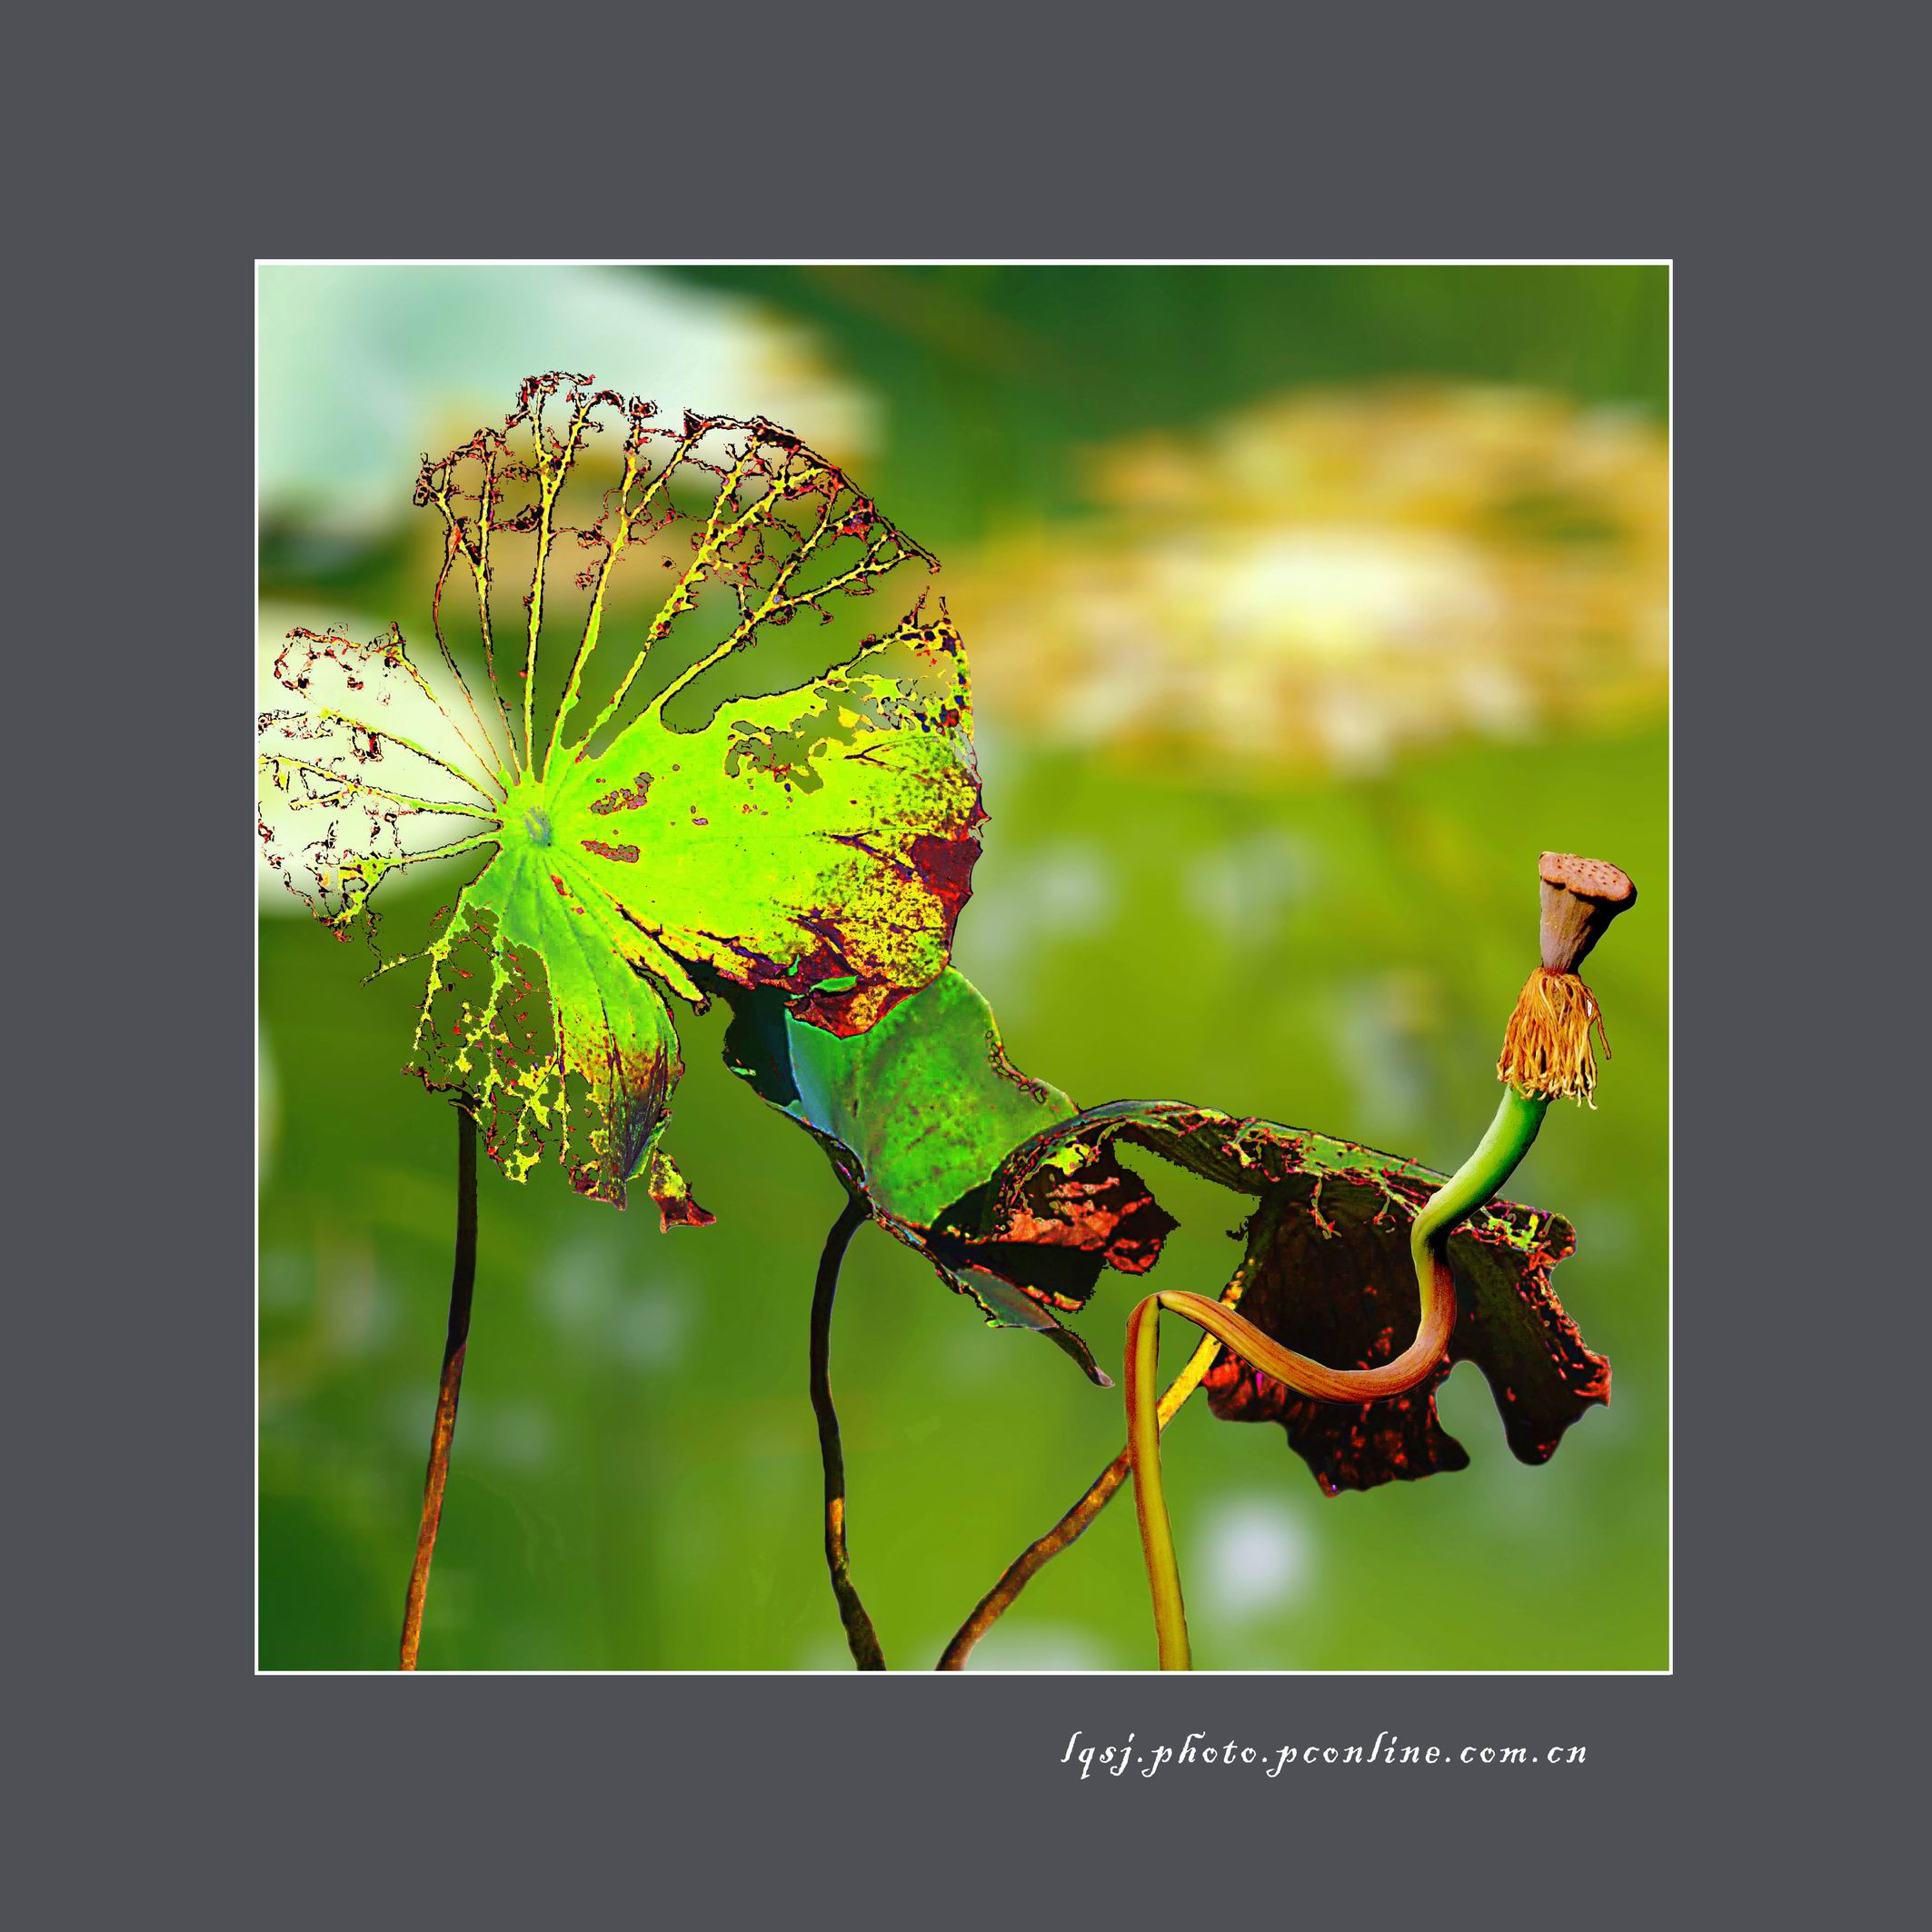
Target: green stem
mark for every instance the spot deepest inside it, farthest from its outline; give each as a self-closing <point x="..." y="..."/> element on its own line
<point x="1496" y="1158"/>
<point x="860" y="1634"/>
<point x="448" y="1388"/>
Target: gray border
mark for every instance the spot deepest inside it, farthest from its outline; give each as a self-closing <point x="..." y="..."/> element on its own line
<point x="292" y="1800"/>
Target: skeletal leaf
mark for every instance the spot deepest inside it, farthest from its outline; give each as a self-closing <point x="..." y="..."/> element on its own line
<point x="634" y="827"/>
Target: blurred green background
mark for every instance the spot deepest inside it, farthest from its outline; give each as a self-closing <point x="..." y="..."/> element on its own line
<point x="1306" y="605"/>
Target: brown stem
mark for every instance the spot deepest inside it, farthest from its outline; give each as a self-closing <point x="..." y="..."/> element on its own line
<point x="860" y="1634"/>
<point x="1030" y="1561"/>
<point x="1099" y="1492"/>
<point x="462" y="1283"/>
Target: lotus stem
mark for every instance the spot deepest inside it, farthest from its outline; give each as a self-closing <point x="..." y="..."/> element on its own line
<point x="1495" y="1160"/>
<point x="1546" y="1052"/>
<point x="860" y="1634"/>
<point x="462" y="1285"/>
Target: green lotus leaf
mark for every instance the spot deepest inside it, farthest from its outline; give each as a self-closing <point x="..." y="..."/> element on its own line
<point x="927" y="1101"/>
<point x="917" y="1115"/>
<point x="817" y="841"/>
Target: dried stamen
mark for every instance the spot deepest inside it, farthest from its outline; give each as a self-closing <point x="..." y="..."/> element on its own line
<point x="1547" y="1051"/>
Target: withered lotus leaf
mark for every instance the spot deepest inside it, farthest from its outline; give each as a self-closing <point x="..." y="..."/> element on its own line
<point x="1327" y="1272"/>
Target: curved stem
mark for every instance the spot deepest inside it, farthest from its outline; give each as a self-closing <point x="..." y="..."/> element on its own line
<point x="463" y="1284"/>
<point x="1098" y="1493"/>
<point x="860" y="1634"/>
<point x="1143" y="1452"/>
<point x="1508" y="1137"/>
